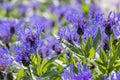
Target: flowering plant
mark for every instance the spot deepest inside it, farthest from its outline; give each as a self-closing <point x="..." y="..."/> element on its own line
<point x="68" y="41"/>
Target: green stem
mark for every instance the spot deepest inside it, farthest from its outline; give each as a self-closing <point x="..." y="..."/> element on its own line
<point x="30" y="72"/>
<point x="109" y="44"/>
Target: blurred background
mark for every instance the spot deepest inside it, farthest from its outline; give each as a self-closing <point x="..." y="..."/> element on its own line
<point x="44" y="5"/>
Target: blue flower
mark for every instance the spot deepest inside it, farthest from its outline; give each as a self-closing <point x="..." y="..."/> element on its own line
<point x="113" y="76"/>
<point x="5" y="58"/>
<point x="8" y="28"/>
<point x="39" y="78"/>
<point x="42" y="49"/>
<point x="54" y="44"/>
<point x="7" y="6"/>
<point x="29" y="37"/>
<point x="76" y="18"/>
<point x="63" y="10"/>
<point x="91" y="30"/>
<point x="43" y="23"/>
<point x="21" y="53"/>
<point x="22" y="9"/>
<point x="34" y="5"/>
<point x="69" y="35"/>
<point x="83" y="74"/>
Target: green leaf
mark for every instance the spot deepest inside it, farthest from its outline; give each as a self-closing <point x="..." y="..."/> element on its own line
<point x="97" y="39"/>
<point x="118" y="51"/>
<point x="102" y="69"/>
<point x="92" y="53"/>
<point x="99" y="63"/>
<point x="117" y="64"/>
<point x="50" y="61"/>
<point x="40" y="69"/>
<point x="13" y="39"/>
<point x="112" y="59"/>
<point x="85" y="8"/>
<point x="50" y="73"/>
<point x="73" y="48"/>
<point x="10" y="76"/>
<point x="20" y="74"/>
<point x="99" y="77"/>
<point x="88" y="46"/>
<point x="103" y="56"/>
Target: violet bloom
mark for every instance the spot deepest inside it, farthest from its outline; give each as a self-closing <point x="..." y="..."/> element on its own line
<point x="110" y="23"/>
<point x="5" y="58"/>
<point x="7" y="6"/>
<point x="42" y="49"/>
<point x="29" y="37"/>
<point x="91" y="30"/>
<point x="8" y="28"/>
<point x="116" y="32"/>
<point x="62" y="10"/>
<point x="94" y="9"/>
<point x="113" y="76"/>
<point x="21" y="53"/>
<point x="49" y="47"/>
<point x="34" y="5"/>
<point x="39" y="78"/>
<point x="83" y="74"/>
<point x="68" y="34"/>
<point x="116" y="26"/>
<point x="44" y="24"/>
<point x="105" y="77"/>
<point x="77" y="19"/>
<point x="54" y="44"/>
<point x="22" y="9"/>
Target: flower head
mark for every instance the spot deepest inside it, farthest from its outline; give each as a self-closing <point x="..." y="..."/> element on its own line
<point x="7" y="6"/>
<point x="69" y="35"/>
<point x="8" y="28"/>
<point x="5" y="58"/>
<point x="83" y="74"/>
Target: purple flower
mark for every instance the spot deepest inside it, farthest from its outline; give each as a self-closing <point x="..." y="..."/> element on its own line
<point x="7" y="6"/>
<point x="44" y="24"/>
<point x="69" y="35"/>
<point x="34" y="5"/>
<point x="40" y="78"/>
<point x="94" y="9"/>
<point x="8" y="28"/>
<point x="21" y="53"/>
<point x="105" y="77"/>
<point x="42" y="49"/>
<point x="29" y="37"/>
<point x="118" y="75"/>
<point x="83" y="74"/>
<point x="63" y="10"/>
<point x="54" y="44"/>
<point x="113" y="76"/>
<point x="22" y="9"/>
<point x="91" y="30"/>
<point x="76" y="18"/>
<point x="60" y="10"/>
<point x="5" y="58"/>
<point x="116" y="32"/>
